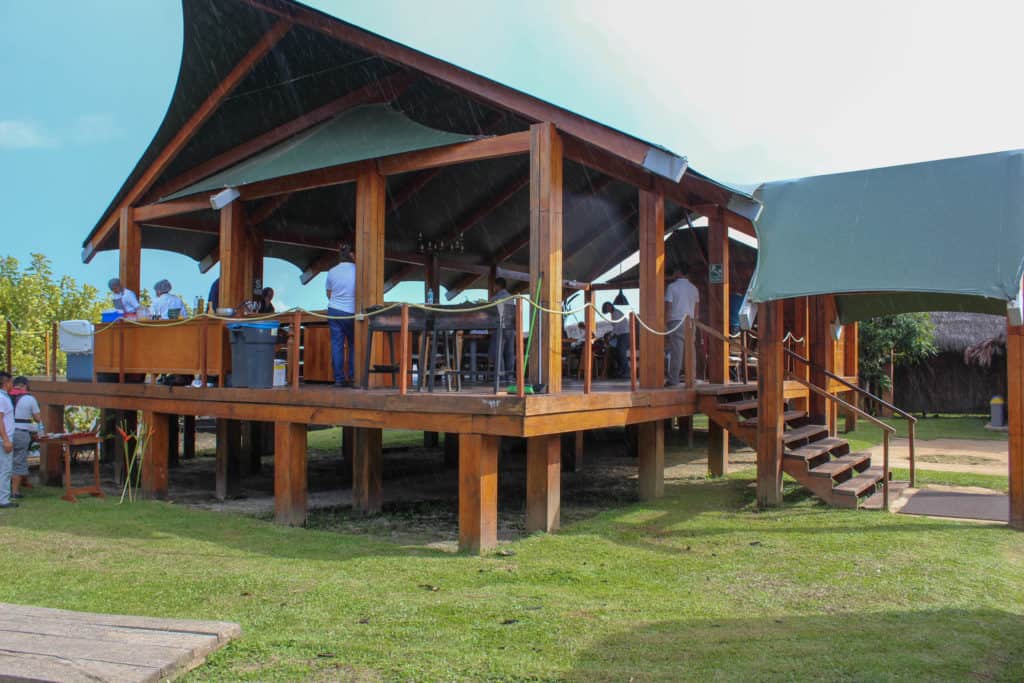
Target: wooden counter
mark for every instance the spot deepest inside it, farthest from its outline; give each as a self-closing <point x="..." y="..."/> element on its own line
<point x="190" y="347"/>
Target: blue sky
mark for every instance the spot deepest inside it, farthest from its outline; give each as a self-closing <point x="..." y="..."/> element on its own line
<point x="749" y="91"/>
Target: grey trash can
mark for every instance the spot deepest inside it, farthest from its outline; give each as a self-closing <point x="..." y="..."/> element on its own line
<point x="997" y="411"/>
<point x="252" y="354"/>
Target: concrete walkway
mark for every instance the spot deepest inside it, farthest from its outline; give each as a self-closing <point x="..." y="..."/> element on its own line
<point x="41" y="644"/>
<point x="949" y="455"/>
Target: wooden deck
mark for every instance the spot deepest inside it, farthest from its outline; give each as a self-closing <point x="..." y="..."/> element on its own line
<point x="41" y="644"/>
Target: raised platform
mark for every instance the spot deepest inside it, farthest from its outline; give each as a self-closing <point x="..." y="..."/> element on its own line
<point x="42" y="644"/>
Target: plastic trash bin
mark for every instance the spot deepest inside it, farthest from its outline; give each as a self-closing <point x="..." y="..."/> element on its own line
<point x="997" y="410"/>
<point x="252" y="354"/>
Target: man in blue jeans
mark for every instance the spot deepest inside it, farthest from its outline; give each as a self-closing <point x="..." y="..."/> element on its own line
<point x="341" y="302"/>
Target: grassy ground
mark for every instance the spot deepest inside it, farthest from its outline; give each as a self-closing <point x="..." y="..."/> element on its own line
<point x="328" y="439"/>
<point x="696" y="586"/>
<point x="927" y="429"/>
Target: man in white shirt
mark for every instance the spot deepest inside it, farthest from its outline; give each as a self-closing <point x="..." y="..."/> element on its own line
<point x="681" y="299"/>
<point x="124" y="299"/>
<point x="6" y="445"/>
<point x="26" y="415"/>
<point x="166" y="302"/>
<point x="341" y="301"/>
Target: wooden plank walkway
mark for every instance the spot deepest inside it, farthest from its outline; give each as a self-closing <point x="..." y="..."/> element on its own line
<point x="42" y="644"/>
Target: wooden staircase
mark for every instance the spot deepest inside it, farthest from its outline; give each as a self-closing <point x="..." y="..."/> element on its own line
<point x="823" y="464"/>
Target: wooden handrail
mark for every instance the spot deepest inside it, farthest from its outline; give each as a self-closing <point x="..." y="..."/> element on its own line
<point x="887" y="431"/>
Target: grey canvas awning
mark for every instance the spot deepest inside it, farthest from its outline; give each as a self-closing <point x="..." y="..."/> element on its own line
<point x="366" y="132"/>
<point x="939" y="235"/>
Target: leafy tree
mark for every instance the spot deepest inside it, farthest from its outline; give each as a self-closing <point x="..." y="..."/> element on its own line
<point x="32" y="297"/>
<point x="907" y="338"/>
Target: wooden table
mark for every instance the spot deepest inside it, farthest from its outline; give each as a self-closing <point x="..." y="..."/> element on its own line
<point x="67" y="442"/>
<point x="198" y="346"/>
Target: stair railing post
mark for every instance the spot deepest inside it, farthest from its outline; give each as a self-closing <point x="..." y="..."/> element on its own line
<point x="632" y="351"/>
<point x="885" y="471"/>
<point x="403" y="346"/>
<point x="911" y="428"/>
<point x="689" y="353"/>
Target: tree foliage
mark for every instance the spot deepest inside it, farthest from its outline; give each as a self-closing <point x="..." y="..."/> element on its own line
<point x="907" y="338"/>
<point x="32" y="298"/>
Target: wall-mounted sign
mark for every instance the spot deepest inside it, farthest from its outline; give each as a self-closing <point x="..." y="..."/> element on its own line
<point x="716" y="275"/>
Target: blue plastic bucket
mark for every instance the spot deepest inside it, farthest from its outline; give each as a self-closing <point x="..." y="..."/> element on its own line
<point x="110" y="316"/>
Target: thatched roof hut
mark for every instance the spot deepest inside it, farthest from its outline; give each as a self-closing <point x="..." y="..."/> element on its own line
<point x="957" y="331"/>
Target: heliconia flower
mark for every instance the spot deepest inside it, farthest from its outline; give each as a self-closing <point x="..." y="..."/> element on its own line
<point x="124" y="435"/>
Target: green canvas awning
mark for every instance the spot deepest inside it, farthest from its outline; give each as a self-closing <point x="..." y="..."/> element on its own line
<point x="939" y="235"/>
<point x="366" y="132"/>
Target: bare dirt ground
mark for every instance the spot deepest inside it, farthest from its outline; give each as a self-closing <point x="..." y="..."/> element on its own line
<point x="950" y="455"/>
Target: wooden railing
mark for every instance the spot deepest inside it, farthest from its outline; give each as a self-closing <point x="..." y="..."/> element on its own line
<point x="887" y="431"/>
<point x="911" y="420"/>
<point x="743" y="339"/>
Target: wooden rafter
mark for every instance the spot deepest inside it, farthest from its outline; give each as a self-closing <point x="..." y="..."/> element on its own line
<point x="174" y="208"/>
<point x="384" y="90"/>
<point x="188" y="130"/>
<point x="483" y="89"/>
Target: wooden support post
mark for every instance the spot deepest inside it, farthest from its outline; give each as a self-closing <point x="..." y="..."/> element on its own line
<point x="129" y="245"/>
<point x="478" y="492"/>
<point x="520" y="359"/>
<point x="290" y="473"/>
<point x="367" y="470"/>
<point x="51" y="466"/>
<point x="229" y="447"/>
<point x="652" y="289"/>
<point x="189" y="437"/>
<point x="371" y="189"/>
<point x="543" y="482"/>
<point x="108" y="430"/>
<point x="546" y="253"/>
<point x="769" y="407"/>
<point x="173" y="441"/>
<point x="1015" y="404"/>
<point x="572" y="455"/>
<point x="822" y="352"/>
<point x="632" y="351"/>
<point x="650" y="445"/>
<point x="348" y="448"/>
<point x="451" y="450"/>
<point x="718" y="350"/>
<point x="852" y="369"/>
<point x="154" y="461"/>
<point x="234" y="254"/>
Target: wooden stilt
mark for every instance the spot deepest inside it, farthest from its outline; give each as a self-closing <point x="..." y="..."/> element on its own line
<point x="1015" y="404"/>
<point x="451" y="450"/>
<point x="572" y="457"/>
<point x="770" y="377"/>
<point x="229" y="448"/>
<point x="650" y="444"/>
<point x="189" y="437"/>
<point x="543" y="482"/>
<point x="348" y="447"/>
<point x="367" y="470"/>
<point x="50" y="455"/>
<point x="154" y="461"/>
<point x="290" y="489"/>
<point x="478" y="492"/>
<point x="173" y="441"/>
<point x="545" y="363"/>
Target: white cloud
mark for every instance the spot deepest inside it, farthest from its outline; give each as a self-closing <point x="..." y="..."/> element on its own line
<point x="95" y="129"/>
<point x="15" y="134"/>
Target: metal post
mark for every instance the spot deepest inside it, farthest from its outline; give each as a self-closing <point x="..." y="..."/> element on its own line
<point x="911" y="428"/>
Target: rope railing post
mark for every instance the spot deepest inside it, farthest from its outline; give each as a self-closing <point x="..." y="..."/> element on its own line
<point x="690" y="353"/>
<point x="632" y="351"/>
<point x="588" y="349"/>
<point x="744" y="370"/>
<point x="403" y="351"/>
<point x="296" y="348"/>
<point x="520" y="361"/>
<point x="911" y="428"/>
<point x="53" y="352"/>
<point x="120" y="351"/>
<point x="885" y="471"/>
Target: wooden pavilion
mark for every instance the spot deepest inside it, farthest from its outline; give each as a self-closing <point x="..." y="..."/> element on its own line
<point x="328" y="132"/>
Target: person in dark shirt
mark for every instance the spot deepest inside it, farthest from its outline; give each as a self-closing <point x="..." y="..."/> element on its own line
<point x="267" y="300"/>
<point x="214" y="297"/>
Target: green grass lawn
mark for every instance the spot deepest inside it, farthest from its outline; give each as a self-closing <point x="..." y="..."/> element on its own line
<point x="697" y="586"/>
<point x="329" y="439"/>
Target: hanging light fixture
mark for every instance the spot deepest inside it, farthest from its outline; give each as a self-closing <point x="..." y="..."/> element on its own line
<point x="620" y="299"/>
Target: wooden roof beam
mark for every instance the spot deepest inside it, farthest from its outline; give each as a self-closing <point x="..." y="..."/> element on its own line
<point x="384" y="90"/>
<point x="478" y="87"/>
<point x="186" y="132"/>
<point x="173" y="208"/>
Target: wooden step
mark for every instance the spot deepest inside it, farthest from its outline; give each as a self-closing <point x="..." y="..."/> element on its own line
<point x="876" y="500"/>
<point x="841" y="465"/>
<point x="815" y="449"/>
<point x="787" y="416"/>
<point x="810" y="432"/>
<point x="855" y="487"/>
<point x="726" y="389"/>
<point x="739" y="406"/>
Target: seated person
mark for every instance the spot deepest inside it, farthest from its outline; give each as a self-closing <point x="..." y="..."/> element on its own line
<point x="124" y="299"/>
<point x="166" y="302"/>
